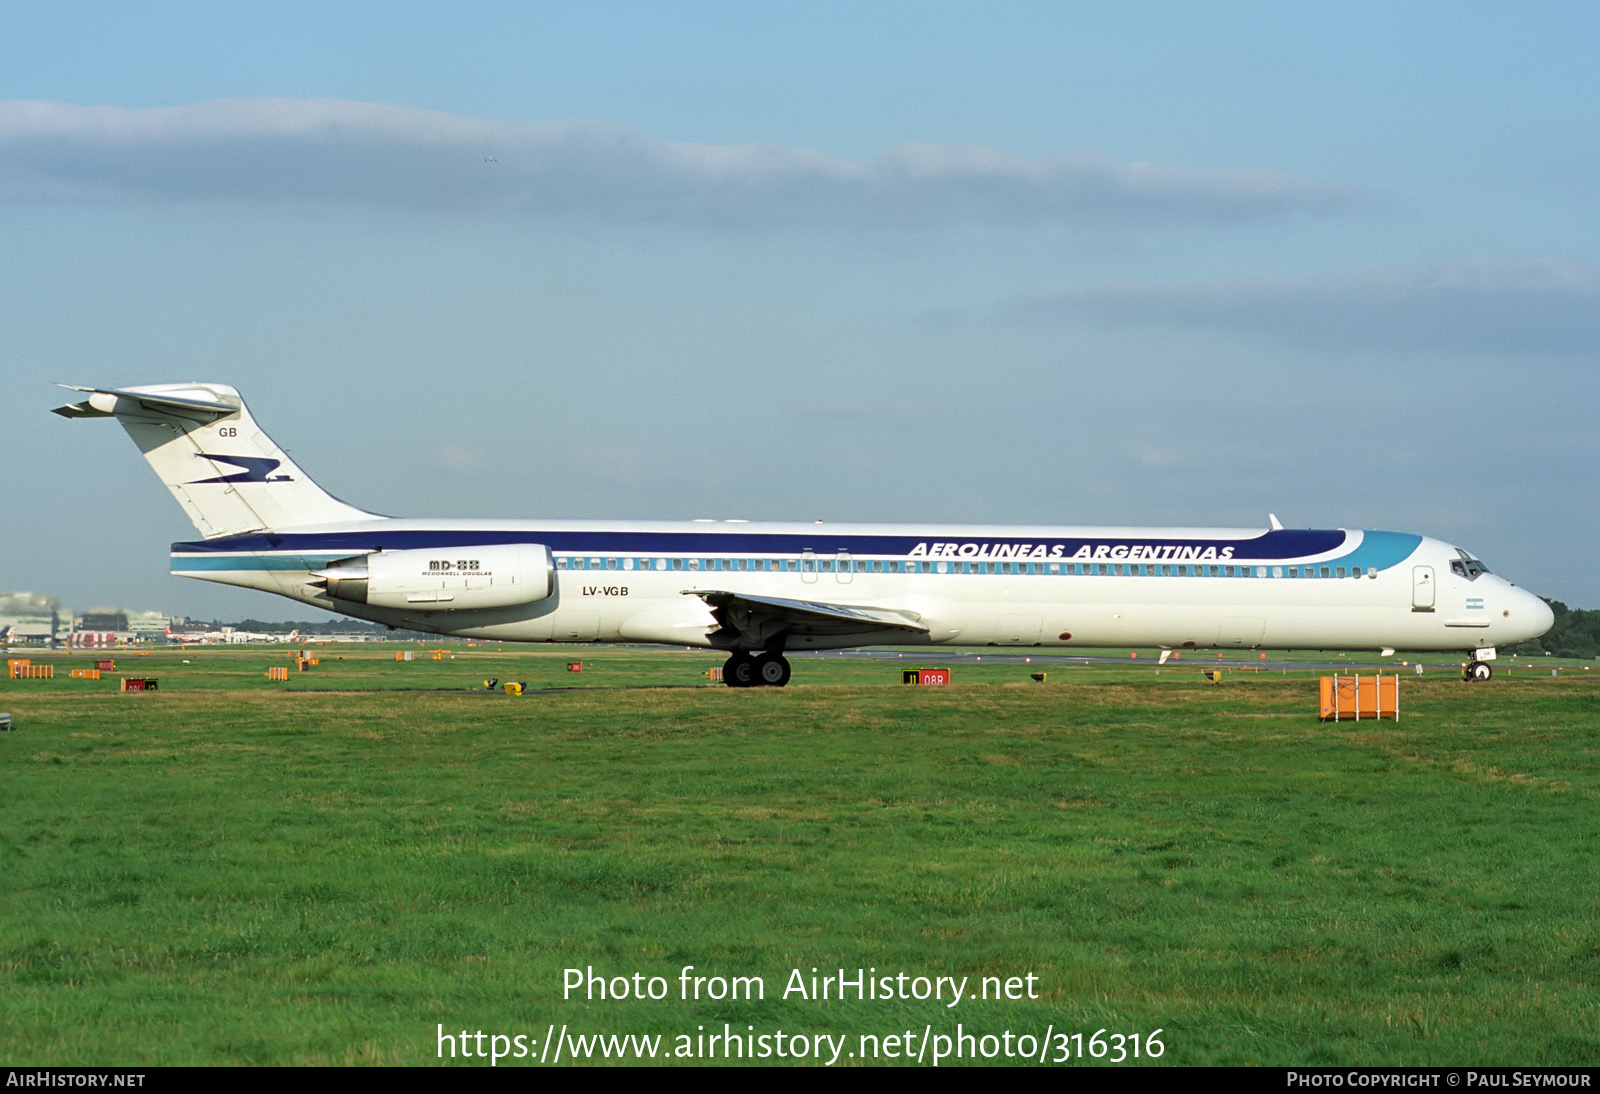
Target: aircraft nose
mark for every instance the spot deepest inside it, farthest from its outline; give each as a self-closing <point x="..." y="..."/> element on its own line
<point x="1530" y="616"/>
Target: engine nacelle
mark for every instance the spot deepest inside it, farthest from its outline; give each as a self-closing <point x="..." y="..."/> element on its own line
<point x="445" y="578"/>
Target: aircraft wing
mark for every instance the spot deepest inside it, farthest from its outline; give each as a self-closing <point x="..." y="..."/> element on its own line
<point x="758" y="618"/>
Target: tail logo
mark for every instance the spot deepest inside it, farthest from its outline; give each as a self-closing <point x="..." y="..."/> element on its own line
<point x="252" y="469"/>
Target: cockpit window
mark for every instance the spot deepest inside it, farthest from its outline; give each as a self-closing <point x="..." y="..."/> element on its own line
<point x="1466" y="566"/>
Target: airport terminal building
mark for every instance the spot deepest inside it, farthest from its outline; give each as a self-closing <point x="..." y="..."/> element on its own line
<point x="27" y="619"/>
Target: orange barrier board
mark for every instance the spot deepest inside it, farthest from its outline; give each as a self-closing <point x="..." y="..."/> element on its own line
<point x="1351" y="697"/>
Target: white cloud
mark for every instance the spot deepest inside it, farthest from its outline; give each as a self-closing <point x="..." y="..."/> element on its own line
<point x="460" y="458"/>
<point x="1489" y="305"/>
<point x="335" y="152"/>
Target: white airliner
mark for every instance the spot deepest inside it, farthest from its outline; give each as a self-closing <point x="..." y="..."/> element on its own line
<point x="230" y="637"/>
<point x="759" y="590"/>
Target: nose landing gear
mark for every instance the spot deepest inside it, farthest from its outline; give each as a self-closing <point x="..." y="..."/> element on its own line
<point x="1477" y="671"/>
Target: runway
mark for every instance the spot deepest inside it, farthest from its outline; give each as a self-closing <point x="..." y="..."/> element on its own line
<point x="1191" y="659"/>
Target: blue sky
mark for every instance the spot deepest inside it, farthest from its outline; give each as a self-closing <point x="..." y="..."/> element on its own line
<point x="1018" y="263"/>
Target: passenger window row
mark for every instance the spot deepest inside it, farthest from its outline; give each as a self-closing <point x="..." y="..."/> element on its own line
<point x="832" y="564"/>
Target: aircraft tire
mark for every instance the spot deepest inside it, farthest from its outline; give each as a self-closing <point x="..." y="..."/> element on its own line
<point x="1479" y="671"/>
<point x="739" y="671"/>
<point x="772" y="671"/>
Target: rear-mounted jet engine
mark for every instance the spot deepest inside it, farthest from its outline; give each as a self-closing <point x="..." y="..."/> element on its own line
<point x="436" y="579"/>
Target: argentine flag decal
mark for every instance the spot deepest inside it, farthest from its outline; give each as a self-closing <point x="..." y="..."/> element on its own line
<point x="1475" y="602"/>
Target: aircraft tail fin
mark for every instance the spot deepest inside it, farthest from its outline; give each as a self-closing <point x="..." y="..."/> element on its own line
<point x="228" y="475"/>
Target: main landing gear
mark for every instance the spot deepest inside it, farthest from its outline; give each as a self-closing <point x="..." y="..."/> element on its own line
<point x="770" y="670"/>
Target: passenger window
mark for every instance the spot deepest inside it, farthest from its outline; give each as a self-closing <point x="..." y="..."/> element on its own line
<point x="1339" y="571"/>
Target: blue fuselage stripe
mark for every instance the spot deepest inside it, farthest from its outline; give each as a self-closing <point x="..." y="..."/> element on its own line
<point x="1269" y="547"/>
<point x="314" y="550"/>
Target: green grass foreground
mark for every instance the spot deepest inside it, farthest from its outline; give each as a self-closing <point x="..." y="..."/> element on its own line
<point x="232" y="870"/>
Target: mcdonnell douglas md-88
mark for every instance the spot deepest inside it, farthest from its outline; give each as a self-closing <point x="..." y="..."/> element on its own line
<point x="759" y="590"/>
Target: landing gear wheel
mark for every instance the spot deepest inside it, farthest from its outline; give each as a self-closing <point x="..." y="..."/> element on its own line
<point x="1477" y="671"/>
<point x="739" y="671"/>
<point x="772" y="670"/>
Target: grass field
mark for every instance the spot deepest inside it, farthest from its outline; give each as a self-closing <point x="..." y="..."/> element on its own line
<point x="232" y="870"/>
